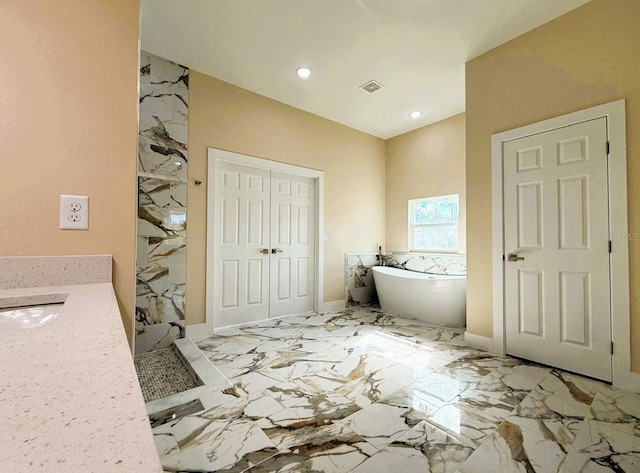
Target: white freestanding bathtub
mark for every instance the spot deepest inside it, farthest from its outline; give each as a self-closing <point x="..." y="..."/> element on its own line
<point x="438" y="299"/>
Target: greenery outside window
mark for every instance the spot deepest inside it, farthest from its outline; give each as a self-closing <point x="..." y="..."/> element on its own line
<point x="433" y="224"/>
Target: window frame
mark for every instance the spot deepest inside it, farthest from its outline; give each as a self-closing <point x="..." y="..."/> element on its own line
<point x="411" y="226"/>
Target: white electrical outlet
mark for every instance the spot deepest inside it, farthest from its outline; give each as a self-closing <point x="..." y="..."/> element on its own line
<point x="74" y="212"/>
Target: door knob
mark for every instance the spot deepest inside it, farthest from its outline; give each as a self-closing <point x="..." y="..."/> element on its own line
<point x="264" y="251"/>
<point x="276" y="250"/>
<point x="514" y="257"/>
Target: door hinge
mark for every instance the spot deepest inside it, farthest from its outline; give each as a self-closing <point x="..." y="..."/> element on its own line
<point x="608" y="148"/>
<point x="612" y="348"/>
<point x="609" y="246"/>
<point x="503" y="258"/>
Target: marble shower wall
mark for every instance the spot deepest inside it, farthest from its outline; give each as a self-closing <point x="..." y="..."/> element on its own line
<point x="360" y="288"/>
<point x="162" y="203"/>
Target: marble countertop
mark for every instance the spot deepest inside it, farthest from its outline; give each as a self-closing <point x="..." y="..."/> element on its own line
<point x="69" y="396"/>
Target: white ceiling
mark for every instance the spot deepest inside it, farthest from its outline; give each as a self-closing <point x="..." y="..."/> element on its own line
<point x="416" y="48"/>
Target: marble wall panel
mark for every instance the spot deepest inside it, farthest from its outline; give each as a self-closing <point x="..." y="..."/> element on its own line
<point x="435" y="263"/>
<point x="360" y="287"/>
<point x="164" y="95"/>
<point x="162" y="203"/>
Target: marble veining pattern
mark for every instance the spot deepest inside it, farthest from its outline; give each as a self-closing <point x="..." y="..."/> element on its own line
<point x="162" y="203"/>
<point x="451" y="264"/>
<point x="360" y="288"/>
<point x="360" y="391"/>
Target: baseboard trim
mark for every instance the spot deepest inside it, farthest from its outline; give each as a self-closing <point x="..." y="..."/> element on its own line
<point x="332" y="306"/>
<point x="197" y="332"/>
<point x="478" y="341"/>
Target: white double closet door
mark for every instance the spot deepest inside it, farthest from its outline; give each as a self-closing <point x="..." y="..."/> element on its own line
<point x="265" y="244"/>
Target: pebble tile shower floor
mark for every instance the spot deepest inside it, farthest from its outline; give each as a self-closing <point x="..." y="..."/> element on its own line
<point x="162" y="373"/>
<point x="360" y="391"/>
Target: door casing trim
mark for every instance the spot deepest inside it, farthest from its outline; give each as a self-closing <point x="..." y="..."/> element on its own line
<point x="614" y="112"/>
<point x="215" y="156"/>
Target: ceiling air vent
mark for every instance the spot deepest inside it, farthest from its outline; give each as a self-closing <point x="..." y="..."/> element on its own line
<point x="372" y="86"/>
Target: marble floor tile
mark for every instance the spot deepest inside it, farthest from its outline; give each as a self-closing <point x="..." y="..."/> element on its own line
<point x="604" y="446"/>
<point x="325" y="381"/>
<point x="351" y="362"/>
<point x="609" y="438"/>
<point x="453" y="352"/>
<point x="513" y="377"/>
<point x="402" y="351"/>
<point x="424" y="448"/>
<point x="374" y="386"/>
<point x="363" y="391"/>
<point x="512" y="450"/>
<point x="219" y="446"/>
<point x="241" y="343"/>
<point x="256" y="382"/>
<point x="259" y="410"/>
<point x="475" y="368"/>
<point x="616" y="406"/>
<point x="166" y="443"/>
<point x="416" y="397"/>
<point x="304" y="408"/>
<point x="418" y="334"/>
<point x="381" y="424"/>
<point x="492" y="405"/>
<point x="233" y="365"/>
<point x="287" y="405"/>
<point x="556" y="407"/>
<point x="332" y="450"/>
<point x="464" y="423"/>
<point x="441" y="387"/>
<point x="219" y="398"/>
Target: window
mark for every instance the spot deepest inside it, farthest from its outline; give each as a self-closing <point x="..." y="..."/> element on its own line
<point x="433" y="224"/>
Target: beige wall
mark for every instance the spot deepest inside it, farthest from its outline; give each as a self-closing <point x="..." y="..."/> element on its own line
<point x="226" y="117"/>
<point x="587" y="57"/>
<point x="426" y="162"/>
<point x="68" y="125"/>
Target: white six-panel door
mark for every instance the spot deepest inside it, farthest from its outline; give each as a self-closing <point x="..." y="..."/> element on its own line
<point x="292" y="244"/>
<point x="243" y="243"/>
<point x="265" y="241"/>
<point x="557" y="279"/>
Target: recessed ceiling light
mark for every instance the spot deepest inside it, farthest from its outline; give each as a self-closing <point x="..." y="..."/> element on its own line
<point x="415" y="114"/>
<point x="303" y="72"/>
